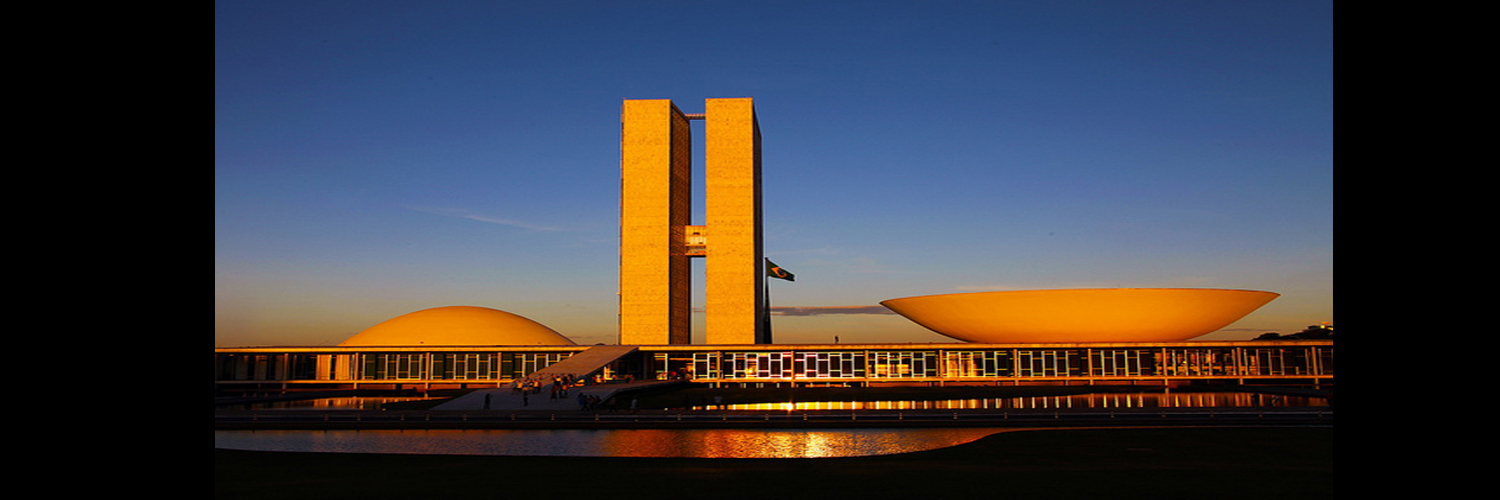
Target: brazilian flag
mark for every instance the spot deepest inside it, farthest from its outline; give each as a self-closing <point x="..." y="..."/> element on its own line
<point x="776" y="271"/>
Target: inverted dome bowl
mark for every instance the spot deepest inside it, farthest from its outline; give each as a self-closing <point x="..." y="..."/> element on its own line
<point x="1080" y="315"/>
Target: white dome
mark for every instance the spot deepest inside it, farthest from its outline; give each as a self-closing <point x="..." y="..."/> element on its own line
<point x="457" y="326"/>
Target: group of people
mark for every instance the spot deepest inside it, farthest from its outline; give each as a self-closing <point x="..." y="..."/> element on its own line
<point x="557" y="387"/>
<point x="590" y="402"/>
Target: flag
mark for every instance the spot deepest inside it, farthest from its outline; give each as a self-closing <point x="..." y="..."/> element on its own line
<point x="776" y="271"/>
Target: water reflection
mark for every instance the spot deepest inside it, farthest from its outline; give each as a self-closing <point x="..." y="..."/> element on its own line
<point x="709" y="443"/>
<point x="746" y="443"/>
<point x="1085" y="401"/>
<point x="1080" y="401"/>
<point x="697" y="443"/>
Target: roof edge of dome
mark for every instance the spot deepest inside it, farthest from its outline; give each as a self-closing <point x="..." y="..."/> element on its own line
<point x="456" y="326"/>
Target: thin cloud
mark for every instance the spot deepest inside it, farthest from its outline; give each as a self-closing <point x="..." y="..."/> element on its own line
<point x="826" y="310"/>
<point x="506" y="222"/>
<point x="985" y="288"/>
<point x="464" y="214"/>
<point x="1172" y="282"/>
<point x="1047" y="286"/>
<point x="858" y="265"/>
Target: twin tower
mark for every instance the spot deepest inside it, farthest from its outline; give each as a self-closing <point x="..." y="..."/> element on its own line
<point x="657" y="236"/>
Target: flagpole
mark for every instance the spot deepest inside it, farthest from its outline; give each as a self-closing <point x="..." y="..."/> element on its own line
<point x="766" y="283"/>
<point x="765" y="279"/>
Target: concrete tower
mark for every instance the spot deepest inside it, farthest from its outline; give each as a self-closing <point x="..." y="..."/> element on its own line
<point x="656" y="234"/>
<point x="734" y="280"/>
<point x="655" y="209"/>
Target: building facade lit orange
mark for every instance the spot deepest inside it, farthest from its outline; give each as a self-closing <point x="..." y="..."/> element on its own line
<point x="1081" y="315"/>
<point x="1107" y="336"/>
<point x="470" y="347"/>
<point x="657" y="236"/>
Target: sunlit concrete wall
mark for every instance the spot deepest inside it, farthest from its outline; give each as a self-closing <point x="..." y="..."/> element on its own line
<point x="734" y="279"/>
<point x="655" y="206"/>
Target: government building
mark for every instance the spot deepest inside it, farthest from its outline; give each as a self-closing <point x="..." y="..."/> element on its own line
<point x="444" y="348"/>
<point x="1093" y="336"/>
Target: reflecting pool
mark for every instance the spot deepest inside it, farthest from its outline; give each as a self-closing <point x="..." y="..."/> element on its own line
<point x="1164" y="399"/>
<point x="1074" y="401"/>
<point x="696" y="443"/>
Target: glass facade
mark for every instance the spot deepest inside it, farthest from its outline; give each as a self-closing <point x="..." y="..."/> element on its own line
<point x="706" y="365"/>
<point x="816" y="364"/>
<point x="521" y="364"/>
<point x="465" y="366"/>
<point x="976" y="364"/>
<point x="903" y="364"/>
<point x="1121" y="363"/>
<point x="383" y="366"/>
<point x="1034" y="363"/>
<point x="1111" y="363"/>
<point x="394" y="366"/>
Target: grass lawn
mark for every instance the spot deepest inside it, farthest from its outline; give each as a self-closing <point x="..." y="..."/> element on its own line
<point x="1197" y="463"/>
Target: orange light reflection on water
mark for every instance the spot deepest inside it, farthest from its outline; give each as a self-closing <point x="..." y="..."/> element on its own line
<point x="759" y="443"/>
<point x="693" y="443"/>
<point x="1133" y="400"/>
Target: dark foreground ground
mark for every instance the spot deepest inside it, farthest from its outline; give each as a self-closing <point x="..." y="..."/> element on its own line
<point x="1156" y="463"/>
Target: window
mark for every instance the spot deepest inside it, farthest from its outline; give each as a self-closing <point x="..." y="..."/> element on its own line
<point x="1117" y="362"/>
<point x="903" y="364"/>
<point x="825" y="365"/>
<point x="527" y="363"/>
<point x="392" y="366"/>
<point x="464" y="366"/>
<point x="960" y="364"/>
<point x="706" y="365"/>
<point x="1045" y="363"/>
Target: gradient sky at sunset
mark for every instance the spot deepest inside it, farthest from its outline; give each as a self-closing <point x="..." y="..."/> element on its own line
<point x="374" y="158"/>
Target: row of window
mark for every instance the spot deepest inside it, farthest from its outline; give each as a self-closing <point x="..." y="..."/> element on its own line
<point x="785" y="365"/>
<point x="1009" y="363"/>
<point x="454" y="366"/>
<point x="875" y="364"/>
<point x="386" y="366"/>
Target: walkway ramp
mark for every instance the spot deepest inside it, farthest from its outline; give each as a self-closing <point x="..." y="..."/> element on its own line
<point x="504" y="399"/>
<point x="584" y="364"/>
<point x="580" y="366"/>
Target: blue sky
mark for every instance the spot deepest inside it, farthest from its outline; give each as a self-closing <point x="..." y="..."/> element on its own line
<point x="374" y="158"/>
